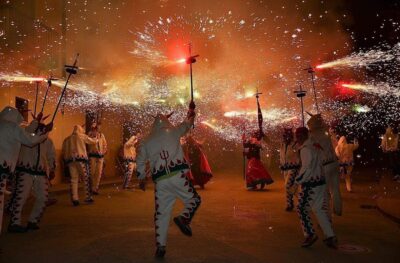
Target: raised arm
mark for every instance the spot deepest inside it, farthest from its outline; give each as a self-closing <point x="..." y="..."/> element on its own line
<point x="28" y="139"/>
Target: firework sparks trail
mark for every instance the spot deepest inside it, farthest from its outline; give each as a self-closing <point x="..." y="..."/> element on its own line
<point x="365" y="58"/>
<point x="380" y="89"/>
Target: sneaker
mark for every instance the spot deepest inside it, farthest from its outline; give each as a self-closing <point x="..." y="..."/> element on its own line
<point x="16" y="229"/>
<point x="289" y="208"/>
<point x="309" y="241"/>
<point x="89" y="201"/>
<point x="160" y="252"/>
<point x="183" y="225"/>
<point x="331" y="242"/>
<point x="32" y="226"/>
<point x="75" y="202"/>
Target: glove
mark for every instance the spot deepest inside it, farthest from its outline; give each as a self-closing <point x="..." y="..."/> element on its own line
<point x="192" y="106"/>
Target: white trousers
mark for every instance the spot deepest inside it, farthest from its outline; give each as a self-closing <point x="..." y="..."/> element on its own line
<point x="290" y="186"/>
<point x="314" y="198"/>
<point x="166" y="192"/>
<point x="130" y="167"/>
<point x="76" y="170"/>
<point x="25" y="183"/>
<point x="346" y="173"/>
<point x="96" y="171"/>
<point x="333" y="183"/>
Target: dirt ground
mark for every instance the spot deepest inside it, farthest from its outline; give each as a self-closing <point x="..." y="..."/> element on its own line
<point x="232" y="225"/>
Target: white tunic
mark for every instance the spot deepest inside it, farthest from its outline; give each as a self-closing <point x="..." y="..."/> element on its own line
<point x="311" y="170"/>
<point x="289" y="157"/>
<point x="130" y="149"/>
<point x="163" y="149"/>
<point x="344" y="151"/>
<point x="11" y="138"/>
<point x="74" y="146"/>
<point x="100" y="148"/>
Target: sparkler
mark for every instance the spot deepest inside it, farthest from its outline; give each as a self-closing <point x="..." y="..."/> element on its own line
<point x="49" y="82"/>
<point x="300" y="94"/>
<point x="311" y="71"/>
<point x="71" y="70"/>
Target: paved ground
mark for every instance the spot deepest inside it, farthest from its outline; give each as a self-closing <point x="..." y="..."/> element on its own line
<point x="232" y="225"/>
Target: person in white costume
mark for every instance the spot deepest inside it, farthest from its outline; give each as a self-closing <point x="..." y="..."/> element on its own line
<point x="76" y="158"/>
<point x="96" y="156"/>
<point x="11" y="138"/>
<point x="345" y="152"/>
<point x="169" y="171"/>
<point x="289" y="164"/>
<point x="31" y="175"/>
<point x="319" y="133"/>
<point x="313" y="194"/>
<point x="130" y="159"/>
<point x="390" y="148"/>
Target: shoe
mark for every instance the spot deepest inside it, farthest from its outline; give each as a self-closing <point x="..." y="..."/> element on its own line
<point x="183" y="225"/>
<point x="251" y="188"/>
<point x="51" y="201"/>
<point x="32" y="226"/>
<point x="16" y="229"/>
<point x="262" y="185"/>
<point x="89" y="201"/>
<point x="309" y="241"/>
<point x="160" y="252"/>
<point x="75" y="202"/>
<point x="95" y="193"/>
<point x="289" y="208"/>
<point x="331" y="242"/>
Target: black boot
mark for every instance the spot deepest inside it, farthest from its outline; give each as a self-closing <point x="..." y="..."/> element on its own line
<point x="331" y="242"/>
<point x="75" y="202"/>
<point x="32" y="226"/>
<point x="183" y="225"/>
<point x="309" y="241"/>
<point x="16" y="229"/>
<point x="160" y="252"/>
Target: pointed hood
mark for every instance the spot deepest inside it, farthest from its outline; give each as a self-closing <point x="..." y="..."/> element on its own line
<point x="78" y="129"/>
<point x="161" y="122"/>
<point x="11" y="114"/>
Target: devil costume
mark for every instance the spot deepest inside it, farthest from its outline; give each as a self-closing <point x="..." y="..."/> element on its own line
<point x="75" y="157"/>
<point x="200" y="170"/>
<point x="96" y="158"/>
<point x="289" y="165"/>
<point x="256" y="174"/>
<point x="31" y="175"/>
<point x="345" y="152"/>
<point x="330" y="161"/>
<point x="169" y="171"/>
<point x="129" y="160"/>
<point x="313" y="194"/>
<point x="11" y="138"/>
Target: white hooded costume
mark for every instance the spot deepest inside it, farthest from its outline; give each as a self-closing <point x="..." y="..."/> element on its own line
<point x="11" y="138"/>
<point x="129" y="159"/>
<point x="313" y="195"/>
<point x="345" y="152"/>
<point x="320" y="135"/>
<point x="75" y="156"/>
<point x="289" y="162"/>
<point x="33" y="165"/>
<point x="169" y="170"/>
<point x="96" y="157"/>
